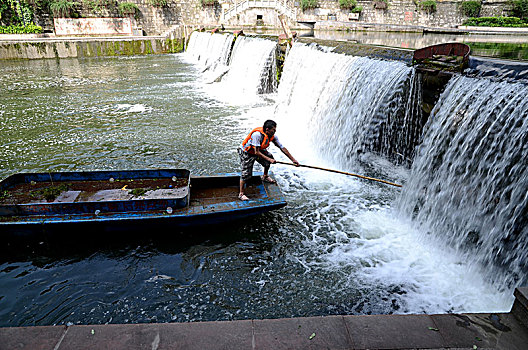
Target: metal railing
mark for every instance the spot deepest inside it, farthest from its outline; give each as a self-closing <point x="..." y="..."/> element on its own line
<point x="284" y="7"/>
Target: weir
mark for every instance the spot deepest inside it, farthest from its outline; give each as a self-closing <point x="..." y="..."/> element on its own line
<point x="468" y="179"/>
<point x="246" y="65"/>
<point x="468" y="184"/>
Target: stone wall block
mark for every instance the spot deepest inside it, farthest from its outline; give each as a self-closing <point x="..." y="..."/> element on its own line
<point x="159" y="20"/>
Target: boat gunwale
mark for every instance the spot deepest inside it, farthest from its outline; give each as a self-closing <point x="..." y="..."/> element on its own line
<point x="274" y="200"/>
<point x="47" y="208"/>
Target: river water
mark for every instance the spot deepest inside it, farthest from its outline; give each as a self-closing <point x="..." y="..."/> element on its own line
<point x="341" y="246"/>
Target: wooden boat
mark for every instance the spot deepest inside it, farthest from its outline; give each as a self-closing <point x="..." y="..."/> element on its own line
<point x="450" y="57"/>
<point x="124" y="200"/>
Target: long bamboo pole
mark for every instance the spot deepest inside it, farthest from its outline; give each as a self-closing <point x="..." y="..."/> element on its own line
<point x="342" y="172"/>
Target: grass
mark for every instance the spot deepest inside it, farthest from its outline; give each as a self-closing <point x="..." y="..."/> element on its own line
<point x="49" y="193"/>
<point x="137" y="192"/>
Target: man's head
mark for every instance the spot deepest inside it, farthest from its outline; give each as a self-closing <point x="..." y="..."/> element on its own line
<point x="269" y="127"/>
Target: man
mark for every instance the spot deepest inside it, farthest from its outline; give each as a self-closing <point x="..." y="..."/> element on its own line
<point x="254" y="148"/>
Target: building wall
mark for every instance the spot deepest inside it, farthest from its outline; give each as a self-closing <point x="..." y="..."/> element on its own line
<point x="398" y="12"/>
<point x="160" y="20"/>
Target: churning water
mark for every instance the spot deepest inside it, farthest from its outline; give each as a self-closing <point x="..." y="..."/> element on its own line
<point x="469" y="183"/>
<point x="341" y="246"/>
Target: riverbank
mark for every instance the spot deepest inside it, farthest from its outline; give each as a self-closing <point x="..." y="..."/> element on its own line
<point x="510" y="44"/>
<point x="462" y="331"/>
<point x="38" y="47"/>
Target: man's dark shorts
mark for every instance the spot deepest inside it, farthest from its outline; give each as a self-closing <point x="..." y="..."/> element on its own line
<point x="247" y="160"/>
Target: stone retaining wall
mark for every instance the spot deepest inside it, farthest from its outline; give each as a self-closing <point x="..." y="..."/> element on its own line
<point x="399" y="12"/>
<point x="160" y="20"/>
<point x="87" y="48"/>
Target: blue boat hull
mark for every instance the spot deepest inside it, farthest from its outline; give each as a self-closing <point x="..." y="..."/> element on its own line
<point x="212" y="201"/>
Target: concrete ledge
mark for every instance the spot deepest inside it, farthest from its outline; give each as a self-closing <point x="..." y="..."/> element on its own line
<point x="450" y="331"/>
<point x="500" y="30"/>
<point x="22" y="38"/>
<point x="76" y="47"/>
<point x="26" y="36"/>
<point x="374" y="51"/>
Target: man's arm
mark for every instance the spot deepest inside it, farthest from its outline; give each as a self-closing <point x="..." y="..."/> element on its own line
<point x="262" y="155"/>
<point x="287" y="153"/>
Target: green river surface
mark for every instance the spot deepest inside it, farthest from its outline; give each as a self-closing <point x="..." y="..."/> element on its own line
<point x="150" y="112"/>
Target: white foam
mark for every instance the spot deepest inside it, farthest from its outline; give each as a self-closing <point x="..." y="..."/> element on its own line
<point x="135" y="108"/>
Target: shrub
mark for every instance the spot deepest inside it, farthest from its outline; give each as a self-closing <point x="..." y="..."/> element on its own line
<point x="19" y="29"/>
<point x="97" y="6"/>
<point x="428" y="6"/>
<point x="357" y="9"/>
<point x="471" y="8"/>
<point x="15" y="12"/>
<point x="496" y="22"/>
<point x="207" y="2"/>
<point x="308" y="4"/>
<point x="520" y="8"/>
<point x="350" y="5"/>
<point x="347" y="4"/>
<point x="62" y="8"/>
<point x="127" y="8"/>
<point x="158" y="3"/>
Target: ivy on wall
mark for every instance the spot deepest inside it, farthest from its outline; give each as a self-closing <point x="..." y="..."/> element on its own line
<point x="309" y="4"/>
<point x="15" y="12"/>
<point x="350" y="5"/>
<point x="128" y="8"/>
<point x="158" y="3"/>
<point x="64" y="8"/>
<point x="520" y="8"/>
<point x="428" y="6"/>
<point x="471" y="8"/>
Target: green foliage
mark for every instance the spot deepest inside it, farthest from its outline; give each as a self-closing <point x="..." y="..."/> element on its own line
<point x="347" y="4"/>
<point x="357" y="9"/>
<point x="20" y="29"/>
<point x="471" y="8"/>
<point x="496" y="22"/>
<point x="520" y="8"/>
<point x="49" y="193"/>
<point x="63" y="8"/>
<point x="350" y="5"/>
<point x="15" y="12"/>
<point x="207" y="2"/>
<point x="308" y="4"/>
<point x="428" y="6"/>
<point x="158" y="3"/>
<point x="127" y="8"/>
<point x="97" y="6"/>
<point x="137" y="192"/>
<point x="4" y="195"/>
<point x="174" y="45"/>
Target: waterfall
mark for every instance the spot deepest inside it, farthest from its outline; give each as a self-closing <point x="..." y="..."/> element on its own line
<point x="252" y="66"/>
<point x="467" y="187"/>
<point x="345" y="106"/>
<point x="469" y="182"/>
<point x="210" y="52"/>
<point x="236" y="73"/>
